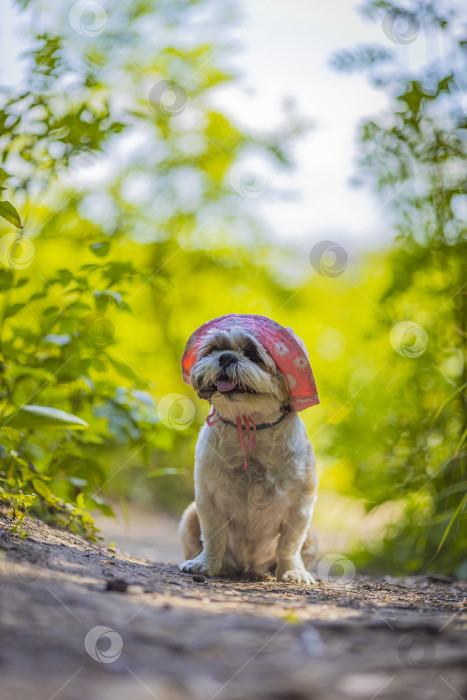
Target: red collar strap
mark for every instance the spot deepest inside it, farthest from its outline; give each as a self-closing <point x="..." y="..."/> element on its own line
<point x="247" y="422"/>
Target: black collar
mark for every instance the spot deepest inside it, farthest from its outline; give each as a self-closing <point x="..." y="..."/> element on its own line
<point x="261" y="426"/>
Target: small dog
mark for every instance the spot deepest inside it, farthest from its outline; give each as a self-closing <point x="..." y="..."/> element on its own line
<point x="251" y="514"/>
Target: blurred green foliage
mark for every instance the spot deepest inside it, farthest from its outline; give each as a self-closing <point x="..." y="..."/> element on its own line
<point x="118" y="161"/>
<point x="414" y="450"/>
<point x="137" y="230"/>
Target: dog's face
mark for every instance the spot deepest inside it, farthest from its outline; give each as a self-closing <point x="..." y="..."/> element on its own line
<point x="237" y="375"/>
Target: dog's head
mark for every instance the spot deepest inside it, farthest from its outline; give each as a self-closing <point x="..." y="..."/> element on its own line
<point x="235" y="373"/>
<point x="249" y="365"/>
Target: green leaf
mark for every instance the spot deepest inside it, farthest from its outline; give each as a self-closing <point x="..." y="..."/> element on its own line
<point x="6" y="279"/>
<point x="64" y="276"/>
<point x="102" y="298"/>
<point x="9" y="436"/>
<point x="124" y="369"/>
<point x="456" y="391"/>
<point x="8" y="212"/>
<point x="13" y="310"/>
<point x="104" y="507"/>
<point x="460" y="443"/>
<point x="38" y="295"/>
<point x="43" y="417"/>
<point x="459" y="508"/>
<point x="41" y="488"/>
<point x="50" y="310"/>
<point x="19" y="460"/>
<point x="100" y="249"/>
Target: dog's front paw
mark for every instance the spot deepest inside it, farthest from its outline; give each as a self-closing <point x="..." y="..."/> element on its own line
<point x="297" y="575"/>
<point x="199" y="566"/>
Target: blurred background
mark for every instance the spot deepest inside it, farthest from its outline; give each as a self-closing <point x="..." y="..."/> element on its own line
<point x="164" y="163"/>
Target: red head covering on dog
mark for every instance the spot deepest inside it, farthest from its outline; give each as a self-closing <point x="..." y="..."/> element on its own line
<point x="286" y="349"/>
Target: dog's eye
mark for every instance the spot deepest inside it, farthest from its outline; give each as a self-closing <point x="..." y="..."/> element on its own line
<point x="210" y="349"/>
<point x="252" y="354"/>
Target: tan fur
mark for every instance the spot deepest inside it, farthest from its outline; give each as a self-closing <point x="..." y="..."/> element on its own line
<point x="190" y="532"/>
<point x="190" y="535"/>
<point x="310" y="548"/>
<point x="255" y="519"/>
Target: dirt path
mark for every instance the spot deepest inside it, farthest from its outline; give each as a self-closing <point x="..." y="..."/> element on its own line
<point x="171" y="635"/>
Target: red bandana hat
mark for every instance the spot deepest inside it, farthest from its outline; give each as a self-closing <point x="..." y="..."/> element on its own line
<point x="287" y="350"/>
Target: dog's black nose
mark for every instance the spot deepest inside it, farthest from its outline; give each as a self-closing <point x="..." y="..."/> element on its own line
<point x="227" y="358"/>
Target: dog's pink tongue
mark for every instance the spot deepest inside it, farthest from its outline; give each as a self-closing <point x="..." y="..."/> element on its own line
<point x="224" y="385"/>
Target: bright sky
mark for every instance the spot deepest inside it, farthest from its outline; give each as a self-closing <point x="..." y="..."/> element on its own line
<point x="286" y="52"/>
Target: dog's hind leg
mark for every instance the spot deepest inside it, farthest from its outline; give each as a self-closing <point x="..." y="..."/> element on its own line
<point x="310" y="549"/>
<point x="190" y="532"/>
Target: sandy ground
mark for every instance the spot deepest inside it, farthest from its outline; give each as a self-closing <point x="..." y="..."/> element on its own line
<point x="81" y="621"/>
<point x="142" y="533"/>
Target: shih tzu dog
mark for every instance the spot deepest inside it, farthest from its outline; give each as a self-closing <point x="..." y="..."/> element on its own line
<point x="252" y="512"/>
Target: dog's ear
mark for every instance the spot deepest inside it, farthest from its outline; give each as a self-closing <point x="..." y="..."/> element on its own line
<point x="284" y="393"/>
